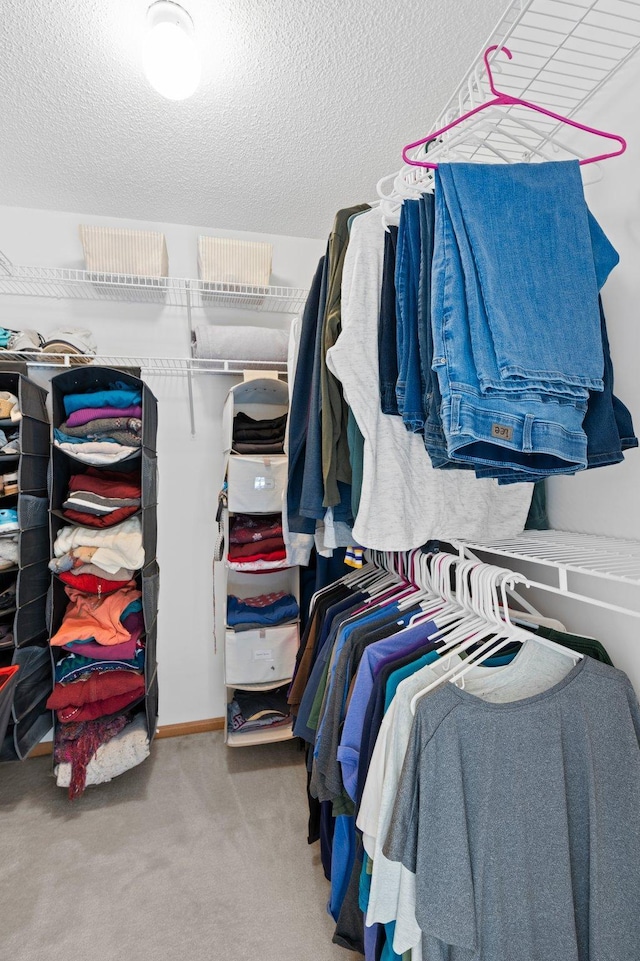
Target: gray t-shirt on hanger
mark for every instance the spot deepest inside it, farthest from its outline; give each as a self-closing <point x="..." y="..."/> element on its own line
<point x="521" y="822"/>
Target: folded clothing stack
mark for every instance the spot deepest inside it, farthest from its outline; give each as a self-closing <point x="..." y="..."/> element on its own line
<point x="264" y="610"/>
<point x="77" y="341"/>
<point x="104" y="629"/>
<point x="77" y="743"/>
<point x="9" y="407"/>
<point x="102" y="426"/>
<point x="101" y="498"/>
<point x="110" y="550"/>
<point x="252" y="436"/>
<point x="257" y="710"/>
<point x="256" y="539"/>
<point x="115" y="756"/>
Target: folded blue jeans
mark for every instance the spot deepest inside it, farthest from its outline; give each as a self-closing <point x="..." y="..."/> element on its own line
<point x="528" y="430"/>
<point x="523" y="236"/>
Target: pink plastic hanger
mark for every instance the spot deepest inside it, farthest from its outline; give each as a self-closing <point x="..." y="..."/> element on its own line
<point x="505" y="99"/>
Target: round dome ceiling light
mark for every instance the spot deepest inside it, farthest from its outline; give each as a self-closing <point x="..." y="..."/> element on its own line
<point x="170" y="56"/>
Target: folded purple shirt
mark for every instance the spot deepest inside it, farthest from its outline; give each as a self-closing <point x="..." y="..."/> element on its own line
<point x="80" y="417"/>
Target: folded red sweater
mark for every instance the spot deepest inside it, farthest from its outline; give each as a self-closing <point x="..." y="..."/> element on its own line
<point x="92" y="520"/>
<point x="97" y="687"/>
<point x="107" y="483"/>
<point x="238" y="551"/>
<point x="95" y="709"/>
<point x="92" y="584"/>
<point x="273" y="556"/>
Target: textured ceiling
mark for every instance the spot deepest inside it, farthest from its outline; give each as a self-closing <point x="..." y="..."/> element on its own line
<point x="302" y="108"/>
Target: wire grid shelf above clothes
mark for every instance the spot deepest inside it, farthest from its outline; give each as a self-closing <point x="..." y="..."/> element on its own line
<point x="607" y="559"/>
<point x="615" y="558"/>
<point x="564" y="51"/>
<point x="66" y="283"/>
<point x="154" y="365"/>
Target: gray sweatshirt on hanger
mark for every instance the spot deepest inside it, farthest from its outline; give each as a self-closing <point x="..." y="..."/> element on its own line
<point x="521" y="822"/>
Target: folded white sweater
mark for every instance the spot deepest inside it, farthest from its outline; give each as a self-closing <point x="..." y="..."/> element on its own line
<point x="118" y="546"/>
<point x="127" y="749"/>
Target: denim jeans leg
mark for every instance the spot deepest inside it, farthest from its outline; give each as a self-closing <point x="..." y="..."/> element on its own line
<point x="410" y="372"/>
<point x="607" y="423"/>
<point x="387" y="346"/>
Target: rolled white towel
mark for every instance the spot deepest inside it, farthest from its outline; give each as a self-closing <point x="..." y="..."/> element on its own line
<point x="241" y="343"/>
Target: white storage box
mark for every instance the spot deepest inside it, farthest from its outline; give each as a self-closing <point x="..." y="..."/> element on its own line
<point x="256" y="483"/>
<point x="262" y="656"/>
<point x="115" y="250"/>
<point x="221" y="260"/>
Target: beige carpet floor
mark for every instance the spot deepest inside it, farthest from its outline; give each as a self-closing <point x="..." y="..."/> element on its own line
<point x="199" y="854"/>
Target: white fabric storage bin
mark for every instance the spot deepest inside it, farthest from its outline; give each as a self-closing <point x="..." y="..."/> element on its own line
<point x="260" y="656"/>
<point x="256" y="483"/>
<point x="228" y="261"/>
<point x="116" y="250"/>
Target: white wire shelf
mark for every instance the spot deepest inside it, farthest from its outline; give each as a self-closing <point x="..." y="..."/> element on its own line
<point x="564" y="51"/>
<point x="613" y="559"/>
<point x="61" y="283"/>
<point x="155" y="365"/>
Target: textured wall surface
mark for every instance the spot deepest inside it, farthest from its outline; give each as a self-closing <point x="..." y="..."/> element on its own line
<point x="303" y="106"/>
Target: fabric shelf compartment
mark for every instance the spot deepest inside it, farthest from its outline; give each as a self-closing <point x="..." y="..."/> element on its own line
<point x="142" y="466"/>
<point x="117" y="250"/>
<point x="223" y="260"/>
<point x="8" y="681"/>
<point x="261" y="398"/>
<point x="264" y="656"/>
<point x="32" y="512"/>
<point x="150" y="587"/>
<point x="82" y="380"/>
<point x="244" y="584"/>
<point x="22" y="737"/>
<point x="35" y="679"/>
<point x="30" y="719"/>
<point x="29" y="626"/>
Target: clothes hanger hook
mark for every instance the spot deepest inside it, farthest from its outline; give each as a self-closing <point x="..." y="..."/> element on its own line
<point x="489" y="50"/>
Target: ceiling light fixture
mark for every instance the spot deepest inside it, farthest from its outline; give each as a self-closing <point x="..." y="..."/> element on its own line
<point x="170" y="55"/>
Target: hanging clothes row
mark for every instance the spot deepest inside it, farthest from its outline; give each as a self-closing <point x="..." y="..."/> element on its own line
<point x="445" y="365"/>
<point x="502" y="820"/>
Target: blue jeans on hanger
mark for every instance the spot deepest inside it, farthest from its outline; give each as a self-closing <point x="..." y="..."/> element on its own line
<point x="410" y="385"/>
<point x="530" y="430"/>
<point x="607" y="423"/>
<point x="387" y="346"/>
<point x="522" y="232"/>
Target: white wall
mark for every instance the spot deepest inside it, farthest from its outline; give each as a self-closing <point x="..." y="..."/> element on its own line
<point x="190" y="668"/>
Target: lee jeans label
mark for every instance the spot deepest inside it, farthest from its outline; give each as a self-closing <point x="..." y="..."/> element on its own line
<point x="502" y="431"/>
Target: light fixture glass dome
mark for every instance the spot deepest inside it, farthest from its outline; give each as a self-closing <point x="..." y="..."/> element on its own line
<point x="170" y="55"/>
